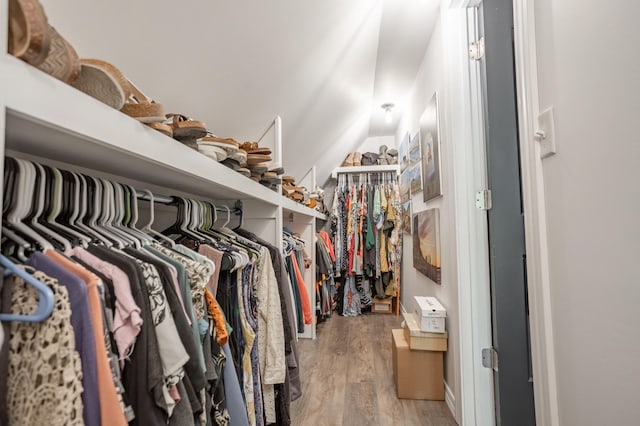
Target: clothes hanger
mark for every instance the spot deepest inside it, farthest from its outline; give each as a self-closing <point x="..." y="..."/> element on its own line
<point x="10" y="180"/>
<point x="19" y="246"/>
<point x="95" y="193"/>
<point x="147" y="228"/>
<point x="228" y="216"/>
<point x="131" y="220"/>
<point x="103" y="210"/>
<point x="46" y="300"/>
<point x="84" y="212"/>
<point x="116" y="213"/>
<point x="120" y="210"/>
<point x="37" y="218"/>
<point x="70" y="207"/>
<point x="58" y="206"/>
<point x="183" y="219"/>
<point x="19" y="209"/>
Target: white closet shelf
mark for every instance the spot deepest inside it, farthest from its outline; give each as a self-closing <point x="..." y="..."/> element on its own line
<point x="365" y="169"/>
<point x="50" y="119"/>
<point x="290" y="206"/>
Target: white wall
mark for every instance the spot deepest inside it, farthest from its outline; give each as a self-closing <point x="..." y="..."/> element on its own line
<point x="430" y="79"/>
<point x="588" y="71"/>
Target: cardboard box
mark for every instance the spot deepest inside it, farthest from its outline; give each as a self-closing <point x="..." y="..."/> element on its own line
<point x="417" y="374"/>
<point x="430" y="314"/>
<point x="420" y="340"/>
<point x="382" y="306"/>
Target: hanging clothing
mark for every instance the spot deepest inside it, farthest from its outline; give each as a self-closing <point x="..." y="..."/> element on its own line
<point x="110" y="409"/>
<point x="44" y="378"/>
<point x="366" y="226"/>
<point x="302" y="288"/>
<point x="82" y="330"/>
<point x="199" y="333"/>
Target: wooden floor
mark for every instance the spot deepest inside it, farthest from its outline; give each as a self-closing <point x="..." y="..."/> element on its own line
<point x="347" y="378"/>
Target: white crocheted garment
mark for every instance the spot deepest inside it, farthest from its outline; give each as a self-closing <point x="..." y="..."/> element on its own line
<point x="45" y="373"/>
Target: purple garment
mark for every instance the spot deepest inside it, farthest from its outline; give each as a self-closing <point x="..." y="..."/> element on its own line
<point x="82" y="330"/>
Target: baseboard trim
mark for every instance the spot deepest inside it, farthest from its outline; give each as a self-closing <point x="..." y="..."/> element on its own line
<point x="450" y="399"/>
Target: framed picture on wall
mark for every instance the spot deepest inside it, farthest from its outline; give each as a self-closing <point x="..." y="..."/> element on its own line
<point x="403" y="161"/>
<point x="430" y="145"/>
<point x="403" y="152"/>
<point x="413" y="170"/>
<point x="426" y="244"/>
<point x="406" y="216"/>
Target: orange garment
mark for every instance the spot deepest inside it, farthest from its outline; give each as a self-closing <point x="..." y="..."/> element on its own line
<point x="110" y="411"/>
<point x="304" y="296"/>
<point x="222" y="337"/>
<point x="329" y="245"/>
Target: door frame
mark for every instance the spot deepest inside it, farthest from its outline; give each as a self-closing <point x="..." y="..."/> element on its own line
<point x="541" y="328"/>
<point x="475" y="405"/>
<point x="463" y="91"/>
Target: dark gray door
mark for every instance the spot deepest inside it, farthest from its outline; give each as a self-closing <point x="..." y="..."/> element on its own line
<point x="513" y="378"/>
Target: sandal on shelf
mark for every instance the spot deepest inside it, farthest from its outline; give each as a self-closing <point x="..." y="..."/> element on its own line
<point x="165" y="129"/>
<point x="106" y="83"/>
<point x="139" y="106"/>
<point x="62" y="61"/>
<point x="257" y="158"/>
<point x="228" y="144"/>
<point x="249" y="146"/>
<point x="244" y="171"/>
<point x="240" y="156"/>
<point x="185" y="127"/>
<point x="213" y="152"/>
<point x="263" y="151"/>
<point x="257" y="168"/>
<point x="29" y="36"/>
<point x="102" y="81"/>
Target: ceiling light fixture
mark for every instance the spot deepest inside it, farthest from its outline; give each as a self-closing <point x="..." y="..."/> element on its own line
<point x="387" y="107"/>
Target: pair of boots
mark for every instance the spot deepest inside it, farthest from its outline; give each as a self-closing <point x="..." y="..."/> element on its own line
<point x="353" y="159"/>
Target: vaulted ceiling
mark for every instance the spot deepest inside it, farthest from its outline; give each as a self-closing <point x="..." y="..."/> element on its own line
<point x="324" y="66"/>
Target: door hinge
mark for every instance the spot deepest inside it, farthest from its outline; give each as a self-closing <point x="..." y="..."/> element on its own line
<point x="490" y="358"/>
<point x="483" y="199"/>
<point x="476" y="49"/>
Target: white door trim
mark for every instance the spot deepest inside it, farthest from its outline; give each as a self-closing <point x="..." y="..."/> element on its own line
<point x="464" y="114"/>
<point x="542" y="346"/>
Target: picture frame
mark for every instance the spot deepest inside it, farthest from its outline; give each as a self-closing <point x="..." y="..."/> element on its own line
<point x="426" y="244"/>
<point x="406" y="217"/>
<point x="403" y="152"/>
<point x="430" y="148"/>
<point x="403" y="161"/>
<point x="414" y="169"/>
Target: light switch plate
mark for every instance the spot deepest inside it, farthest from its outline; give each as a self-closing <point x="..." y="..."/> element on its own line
<point x="546" y="133"/>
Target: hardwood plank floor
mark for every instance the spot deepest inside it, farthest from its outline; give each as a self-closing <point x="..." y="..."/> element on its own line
<point x="347" y="378"/>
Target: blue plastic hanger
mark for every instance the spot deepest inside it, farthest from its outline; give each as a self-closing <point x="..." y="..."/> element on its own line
<point x="45" y="301"/>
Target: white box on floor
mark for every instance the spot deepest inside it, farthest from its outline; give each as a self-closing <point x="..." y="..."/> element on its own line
<point x="430" y="314"/>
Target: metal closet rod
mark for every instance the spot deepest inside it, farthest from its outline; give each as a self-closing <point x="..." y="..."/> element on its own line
<point x="170" y="200"/>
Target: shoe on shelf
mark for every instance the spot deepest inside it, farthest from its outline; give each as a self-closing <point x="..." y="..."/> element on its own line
<point x="244" y="171"/>
<point x="213" y="152"/>
<point x="348" y="161"/>
<point x="62" y="61"/>
<point x="240" y="157"/>
<point x="165" y="129"/>
<point x="106" y="83"/>
<point x="228" y="144"/>
<point x="357" y="159"/>
<point x="185" y="127"/>
<point x="29" y="36"/>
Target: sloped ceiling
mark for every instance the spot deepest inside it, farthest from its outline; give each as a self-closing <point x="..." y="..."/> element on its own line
<point x="323" y="66"/>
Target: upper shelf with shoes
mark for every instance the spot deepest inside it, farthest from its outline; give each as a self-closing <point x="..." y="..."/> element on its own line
<point x="87" y="113"/>
<point x="47" y="118"/>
